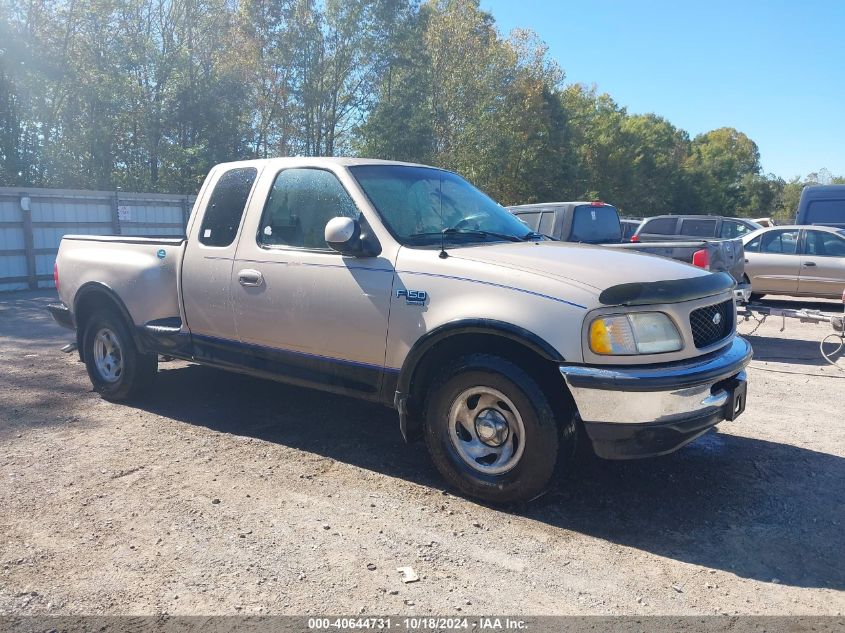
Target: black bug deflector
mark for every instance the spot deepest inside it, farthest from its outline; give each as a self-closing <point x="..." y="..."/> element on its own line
<point x="671" y="291"/>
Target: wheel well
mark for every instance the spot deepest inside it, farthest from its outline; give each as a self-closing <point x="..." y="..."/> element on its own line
<point x="86" y="305"/>
<point x="542" y="370"/>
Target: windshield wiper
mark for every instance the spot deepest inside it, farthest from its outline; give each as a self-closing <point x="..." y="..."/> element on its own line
<point x="469" y="232"/>
<point x="480" y="233"/>
<point x="533" y="235"/>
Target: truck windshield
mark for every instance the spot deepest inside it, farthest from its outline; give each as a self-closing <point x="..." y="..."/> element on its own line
<point x="422" y="205"/>
<point x="596" y="224"/>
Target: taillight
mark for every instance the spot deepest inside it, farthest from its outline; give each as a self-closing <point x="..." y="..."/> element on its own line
<point x="635" y="238"/>
<point x="701" y="259"/>
<point x="56" y="275"/>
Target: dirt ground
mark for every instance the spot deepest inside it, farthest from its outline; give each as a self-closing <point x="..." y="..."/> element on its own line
<point x="224" y="494"/>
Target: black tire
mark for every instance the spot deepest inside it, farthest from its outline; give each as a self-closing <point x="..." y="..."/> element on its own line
<point x="137" y="370"/>
<point x="547" y="438"/>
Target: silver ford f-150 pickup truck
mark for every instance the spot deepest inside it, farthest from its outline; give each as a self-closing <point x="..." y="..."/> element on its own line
<point x="405" y="285"/>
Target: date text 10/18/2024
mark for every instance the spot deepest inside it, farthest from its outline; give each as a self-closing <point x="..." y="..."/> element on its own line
<point x="418" y="623"/>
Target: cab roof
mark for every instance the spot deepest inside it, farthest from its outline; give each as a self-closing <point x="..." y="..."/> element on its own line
<point x="316" y="161"/>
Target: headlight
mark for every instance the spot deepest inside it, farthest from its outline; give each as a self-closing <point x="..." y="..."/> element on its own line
<point x="635" y="333"/>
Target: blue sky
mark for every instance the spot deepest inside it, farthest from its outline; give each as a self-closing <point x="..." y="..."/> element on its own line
<point x="774" y="70"/>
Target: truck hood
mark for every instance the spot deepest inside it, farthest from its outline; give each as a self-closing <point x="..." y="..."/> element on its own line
<point x="587" y="266"/>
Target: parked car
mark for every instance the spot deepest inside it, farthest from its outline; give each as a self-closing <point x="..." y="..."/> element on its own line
<point x="765" y="222"/>
<point x="599" y="223"/>
<point x="629" y="227"/>
<point x="796" y="260"/>
<point x="405" y="285"/>
<point x="682" y="227"/>
<point x="822" y="204"/>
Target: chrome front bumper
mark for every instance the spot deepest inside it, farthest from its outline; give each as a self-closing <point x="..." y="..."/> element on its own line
<point x="637" y="411"/>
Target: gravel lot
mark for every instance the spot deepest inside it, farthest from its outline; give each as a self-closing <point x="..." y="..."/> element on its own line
<point x="224" y="494"/>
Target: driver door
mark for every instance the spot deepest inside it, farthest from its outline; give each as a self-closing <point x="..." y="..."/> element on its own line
<point x="302" y="309"/>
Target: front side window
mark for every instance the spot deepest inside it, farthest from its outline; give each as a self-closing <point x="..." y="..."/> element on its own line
<point x="754" y="245"/>
<point x="226" y="207"/>
<point x="824" y="244"/>
<point x="422" y="205"/>
<point x="300" y="204"/>
<point x="780" y="242"/>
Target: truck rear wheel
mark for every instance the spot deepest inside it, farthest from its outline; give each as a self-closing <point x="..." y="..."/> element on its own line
<point x="118" y="371"/>
<point x="492" y="432"/>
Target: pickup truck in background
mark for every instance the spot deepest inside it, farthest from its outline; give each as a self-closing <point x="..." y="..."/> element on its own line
<point x="405" y="285"/>
<point x="599" y="223"/>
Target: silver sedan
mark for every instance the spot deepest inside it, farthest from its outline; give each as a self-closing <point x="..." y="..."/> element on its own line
<point x="806" y="261"/>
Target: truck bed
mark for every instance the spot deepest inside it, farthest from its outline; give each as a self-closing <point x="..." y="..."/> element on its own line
<point x="726" y="255"/>
<point x="142" y="271"/>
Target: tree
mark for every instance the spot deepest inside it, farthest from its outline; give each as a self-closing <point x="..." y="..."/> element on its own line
<point x="718" y="163"/>
<point x="148" y="94"/>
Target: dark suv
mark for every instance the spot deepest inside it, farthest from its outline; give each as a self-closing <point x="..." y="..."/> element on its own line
<point x="683" y="227"/>
<point x="823" y="205"/>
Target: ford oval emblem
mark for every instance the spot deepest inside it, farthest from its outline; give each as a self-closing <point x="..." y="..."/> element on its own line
<point x="161" y="253"/>
<point x="717" y="318"/>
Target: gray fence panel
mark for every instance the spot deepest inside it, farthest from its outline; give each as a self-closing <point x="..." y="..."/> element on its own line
<point x="29" y="240"/>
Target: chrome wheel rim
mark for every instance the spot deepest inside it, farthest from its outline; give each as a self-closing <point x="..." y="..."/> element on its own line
<point x="108" y="356"/>
<point x="486" y="430"/>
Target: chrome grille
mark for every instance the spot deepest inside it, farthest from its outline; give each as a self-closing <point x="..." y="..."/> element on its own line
<point x="711" y="324"/>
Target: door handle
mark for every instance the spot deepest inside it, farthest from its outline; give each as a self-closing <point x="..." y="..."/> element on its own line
<point x="746" y="260"/>
<point x="250" y="277"/>
<point x="809" y="263"/>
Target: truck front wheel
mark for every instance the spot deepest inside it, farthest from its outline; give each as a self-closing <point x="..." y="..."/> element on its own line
<point x="118" y="371"/>
<point x="492" y="432"/>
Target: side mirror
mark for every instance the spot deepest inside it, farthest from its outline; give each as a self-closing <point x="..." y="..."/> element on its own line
<point x="344" y="236"/>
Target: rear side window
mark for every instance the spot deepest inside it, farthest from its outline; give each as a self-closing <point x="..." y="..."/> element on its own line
<point x="824" y="244"/>
<point x="596" y="225"/>
<point x="754" y="245"/>
<point x="780" y="242"/>
<point x="660" y="226"/>
<point x="699" y="228"/>
<point x="826" y="212"/>
<point x="226" y="206"/>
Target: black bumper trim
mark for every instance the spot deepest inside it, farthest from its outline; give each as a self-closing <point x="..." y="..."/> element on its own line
<point x="634" y="441"/>
<point x="62" y="315"/>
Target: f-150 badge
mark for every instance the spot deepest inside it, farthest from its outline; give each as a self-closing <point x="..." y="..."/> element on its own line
<point x="413" y="297"/>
